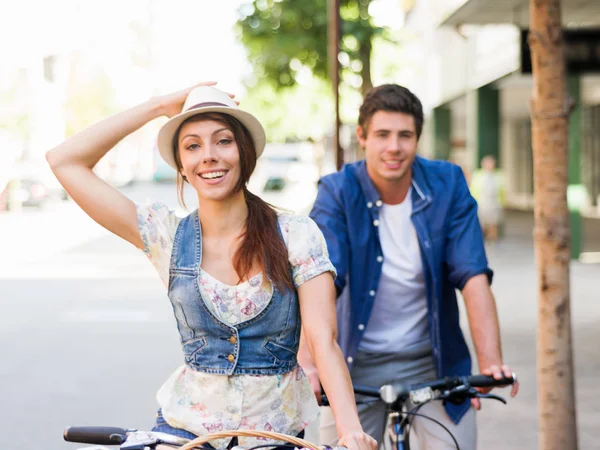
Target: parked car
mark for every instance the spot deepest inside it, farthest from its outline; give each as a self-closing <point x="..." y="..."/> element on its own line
<point x="31" y="186"/>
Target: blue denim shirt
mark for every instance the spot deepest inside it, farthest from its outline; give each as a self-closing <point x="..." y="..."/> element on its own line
<point x="444" y="215"/>
<point x="266" y="344"/>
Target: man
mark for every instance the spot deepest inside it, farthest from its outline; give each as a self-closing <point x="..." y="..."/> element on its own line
<point x="403" y="234"/>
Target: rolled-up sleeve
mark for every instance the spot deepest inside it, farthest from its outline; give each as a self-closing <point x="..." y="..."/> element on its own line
<point x="465" y="251"/>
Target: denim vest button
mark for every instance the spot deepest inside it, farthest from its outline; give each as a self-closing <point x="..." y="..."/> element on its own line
<point x="230" y="358"/>
<point x="380" y="259"/>
<point x="369" y="205"/>
<point x="376" y="222"/>
<point x="379" y="203"/>
<point x="350" y="359"/>
<point x="361" y="327"/>
<point x="372" y="293"/>
<point x="232" y="339"/>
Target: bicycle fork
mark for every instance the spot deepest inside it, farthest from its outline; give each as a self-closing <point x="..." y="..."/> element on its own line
<point x="396" y="432"/>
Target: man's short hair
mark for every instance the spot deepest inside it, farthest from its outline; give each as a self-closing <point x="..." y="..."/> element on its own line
<point x="392" y="98"/>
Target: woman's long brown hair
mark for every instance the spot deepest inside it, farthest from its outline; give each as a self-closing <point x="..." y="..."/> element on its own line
<point x="261" y="242"/>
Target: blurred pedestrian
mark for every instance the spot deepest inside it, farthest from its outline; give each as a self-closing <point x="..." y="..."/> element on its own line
<point x="240" y="277"/>
<point x="403" y="234"/>
<point x="487" y="187"/>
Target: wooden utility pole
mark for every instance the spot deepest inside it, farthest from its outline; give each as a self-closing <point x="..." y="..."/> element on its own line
<point x="333" y="49"/>
<point x="550" y="110"/>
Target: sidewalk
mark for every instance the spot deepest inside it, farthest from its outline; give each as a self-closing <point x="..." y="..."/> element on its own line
<point x="519" y="224"/>
<point x="34" y="234"/>
<point x="515" y="426"/>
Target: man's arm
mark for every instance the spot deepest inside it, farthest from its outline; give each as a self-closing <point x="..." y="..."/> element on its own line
<point x="485" y="331"/>
<point x="469" y="272"/>
<point x="483" y="321"/>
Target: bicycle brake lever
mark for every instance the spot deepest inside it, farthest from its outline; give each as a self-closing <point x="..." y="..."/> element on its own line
<point x="490" y="396"/>
<point x="458" y="394"/>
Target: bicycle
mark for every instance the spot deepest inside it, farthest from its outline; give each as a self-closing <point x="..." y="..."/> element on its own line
<point x="393" y="395"/>
<point x="452" y="389"/>
<point x="131" y="439"/>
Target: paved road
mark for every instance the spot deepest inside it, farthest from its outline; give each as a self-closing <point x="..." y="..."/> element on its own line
<point x="87" y="334"/>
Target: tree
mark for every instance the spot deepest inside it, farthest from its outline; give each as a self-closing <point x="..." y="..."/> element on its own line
<point x="283" y="37"/>
<point x="90" y="95"/>
<point x="550" y="121"/>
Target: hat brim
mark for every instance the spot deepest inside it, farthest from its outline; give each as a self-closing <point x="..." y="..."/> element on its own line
<point x="167" y="131"/>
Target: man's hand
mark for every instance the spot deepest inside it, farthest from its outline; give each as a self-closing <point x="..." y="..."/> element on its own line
<point x="498" y="372"/>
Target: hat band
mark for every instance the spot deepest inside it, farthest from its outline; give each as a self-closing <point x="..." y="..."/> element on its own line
<point x="205" y="104"/>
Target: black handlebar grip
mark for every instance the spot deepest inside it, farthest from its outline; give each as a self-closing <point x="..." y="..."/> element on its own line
<point x="366" y="390"/>
<point x="96" y="435"/>
<point x="489" y="381"/>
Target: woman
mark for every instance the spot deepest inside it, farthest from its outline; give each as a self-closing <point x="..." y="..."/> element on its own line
<point x="238" y="275"/>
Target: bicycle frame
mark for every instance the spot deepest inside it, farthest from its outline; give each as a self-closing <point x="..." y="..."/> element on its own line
<point x="395" y="431"/>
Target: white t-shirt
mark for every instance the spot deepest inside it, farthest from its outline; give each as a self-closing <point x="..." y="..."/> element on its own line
<point x="399" y="317"/>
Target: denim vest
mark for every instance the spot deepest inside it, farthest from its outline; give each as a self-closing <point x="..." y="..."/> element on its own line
<point x="264" y="345"/>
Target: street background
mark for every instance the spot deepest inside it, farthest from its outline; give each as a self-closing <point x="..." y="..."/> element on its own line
<point x="87" y="334"/>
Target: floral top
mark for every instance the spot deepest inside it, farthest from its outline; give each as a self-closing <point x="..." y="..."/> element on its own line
<point x="203" y="403"/>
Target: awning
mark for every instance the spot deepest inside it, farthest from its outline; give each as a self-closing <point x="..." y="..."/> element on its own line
<point x="480" y="12"/>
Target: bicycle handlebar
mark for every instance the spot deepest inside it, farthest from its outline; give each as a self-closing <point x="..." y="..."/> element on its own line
<point x="392" y="392"/>
<point x="131" y="439"/>
<point x="96" y="435"/>
<point x="488" y="381"/>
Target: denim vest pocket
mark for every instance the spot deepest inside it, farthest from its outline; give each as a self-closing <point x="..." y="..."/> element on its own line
<point x="279" y="352"/>
<point x="192" y="348"/>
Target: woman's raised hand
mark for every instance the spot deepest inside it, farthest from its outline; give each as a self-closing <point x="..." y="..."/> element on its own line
<point x="171" y="104"/>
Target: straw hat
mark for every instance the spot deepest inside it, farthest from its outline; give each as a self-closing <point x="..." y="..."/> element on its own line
<point x="206" y="99"/>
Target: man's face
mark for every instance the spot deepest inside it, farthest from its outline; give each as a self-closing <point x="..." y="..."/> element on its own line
<point x="390" y="145"/>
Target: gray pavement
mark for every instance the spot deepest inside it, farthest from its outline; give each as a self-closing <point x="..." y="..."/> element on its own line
<point x="87" y="334"/>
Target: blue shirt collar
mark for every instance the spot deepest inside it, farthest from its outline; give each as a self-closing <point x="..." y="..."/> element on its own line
<point x="421" y="193"/>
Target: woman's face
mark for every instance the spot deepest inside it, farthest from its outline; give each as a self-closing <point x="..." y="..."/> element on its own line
<point x="210" y="158"/>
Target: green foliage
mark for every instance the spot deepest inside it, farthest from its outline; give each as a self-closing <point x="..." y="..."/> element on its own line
<point x="298" y="113"/>
<point x="90" y="96"/>
<point x="284" y="36"/>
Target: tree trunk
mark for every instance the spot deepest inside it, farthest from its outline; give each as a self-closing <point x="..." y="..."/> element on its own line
<point x="333" y="49"/>
<point x="365" y="58"/>
<point x="549" y="119"/>
<point x="365" y="47"/>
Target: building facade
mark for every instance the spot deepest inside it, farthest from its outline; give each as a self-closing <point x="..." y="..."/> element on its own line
<point x="477" y="93"/>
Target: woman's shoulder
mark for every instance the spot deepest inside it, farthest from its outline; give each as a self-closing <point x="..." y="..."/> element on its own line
<point x="157" y="224"/>
<point x="307" y="249"/>
<point x="286" y="218"/>
<point x="156" y="211"/>
<point x="300" y="231"/>
<point x="296" y="223"/>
